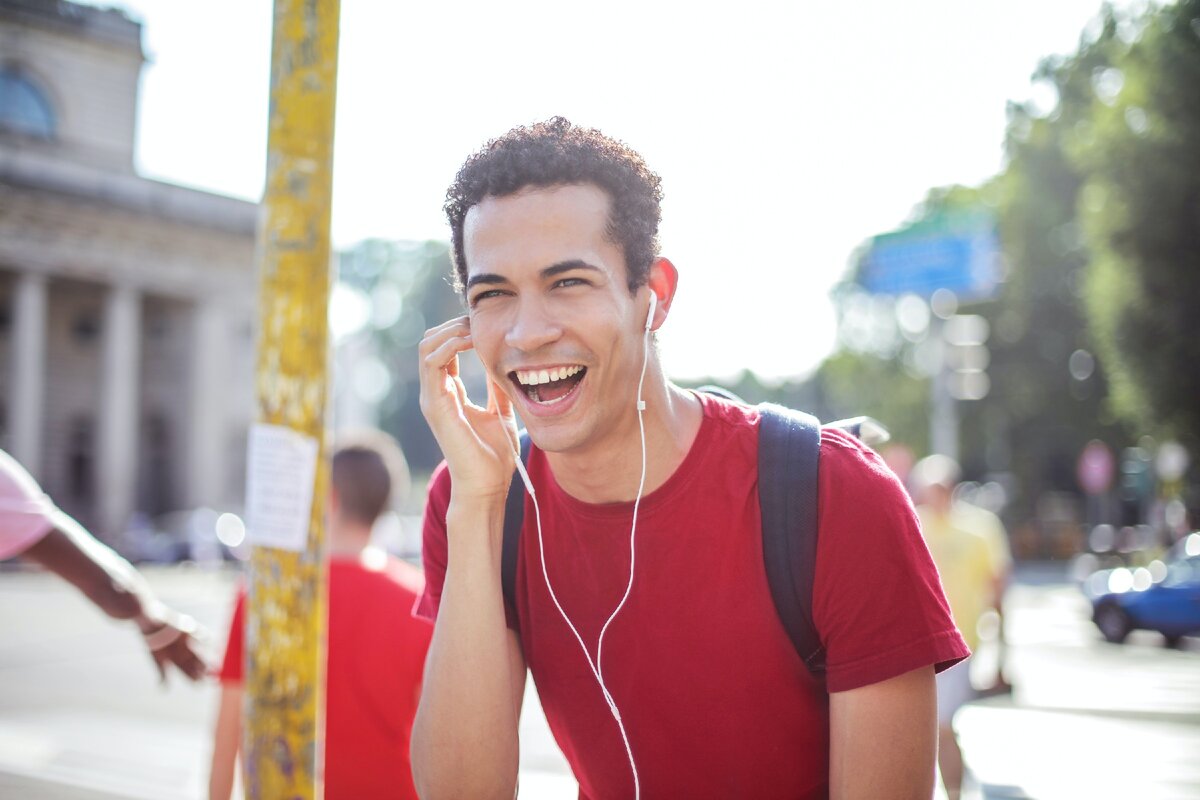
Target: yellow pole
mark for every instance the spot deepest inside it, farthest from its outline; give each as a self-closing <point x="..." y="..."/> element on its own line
<point x="286" y="609"/>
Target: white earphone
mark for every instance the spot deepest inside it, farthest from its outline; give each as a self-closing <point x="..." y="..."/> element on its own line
<point x="597" y="666"/>
<point x="641" y="404"/>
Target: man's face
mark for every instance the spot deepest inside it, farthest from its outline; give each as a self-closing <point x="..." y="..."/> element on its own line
<point x="552" y="317"/>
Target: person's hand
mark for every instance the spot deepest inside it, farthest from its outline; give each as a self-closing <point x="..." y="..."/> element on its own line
<point x="171" y="638"/>
<point x="480" y="444"/>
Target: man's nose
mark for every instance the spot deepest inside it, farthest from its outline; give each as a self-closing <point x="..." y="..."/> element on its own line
<point x="533" y="326"/>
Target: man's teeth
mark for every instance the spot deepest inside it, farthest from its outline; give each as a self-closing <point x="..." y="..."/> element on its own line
<point x="533" y="377"/>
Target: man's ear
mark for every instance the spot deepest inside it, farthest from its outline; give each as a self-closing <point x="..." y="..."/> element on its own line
<point x="662" y="279"/>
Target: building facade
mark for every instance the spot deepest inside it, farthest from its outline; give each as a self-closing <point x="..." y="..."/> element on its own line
<point x="126" y="304"/>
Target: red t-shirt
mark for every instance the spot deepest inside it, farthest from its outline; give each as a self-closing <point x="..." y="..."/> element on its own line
<point x="714" y="698"/>
<point x="375" y="658"/>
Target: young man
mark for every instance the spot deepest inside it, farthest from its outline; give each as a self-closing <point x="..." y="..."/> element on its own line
<point x="642" y="606"/>
<point x="376" y="647"/>
<point x="33" y="527"/>
<point x="970" y="548"/>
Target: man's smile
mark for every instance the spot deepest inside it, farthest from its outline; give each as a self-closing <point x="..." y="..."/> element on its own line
<point x="550" y="385"/>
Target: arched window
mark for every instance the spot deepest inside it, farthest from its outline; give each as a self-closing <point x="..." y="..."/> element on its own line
<point x="23" y="106"/>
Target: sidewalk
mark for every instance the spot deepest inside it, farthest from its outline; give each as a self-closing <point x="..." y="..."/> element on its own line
<point x="82" y="716"/>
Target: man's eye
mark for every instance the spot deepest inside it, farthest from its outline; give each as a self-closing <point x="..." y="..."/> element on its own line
<point x="484" y="295"/>
<point x="566" y="282"/>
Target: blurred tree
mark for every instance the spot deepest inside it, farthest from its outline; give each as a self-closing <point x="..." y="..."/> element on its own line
<point x="849" y="384"/>
<point x="408" y="283"/>
<point x="1138" y="89"/>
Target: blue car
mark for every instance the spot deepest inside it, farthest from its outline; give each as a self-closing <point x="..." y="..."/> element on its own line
<point x="1163" y="597"/>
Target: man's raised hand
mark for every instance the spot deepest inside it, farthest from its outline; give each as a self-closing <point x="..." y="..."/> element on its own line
<point x="479" y="444"/>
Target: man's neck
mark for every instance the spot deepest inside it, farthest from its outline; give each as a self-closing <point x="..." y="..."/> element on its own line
<point x="609" y="472"/>
<point x="348" y="540"/>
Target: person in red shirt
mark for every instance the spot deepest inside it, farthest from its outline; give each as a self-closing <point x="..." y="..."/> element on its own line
<point x="642" y="607"/>
<point x="376" y="647"/>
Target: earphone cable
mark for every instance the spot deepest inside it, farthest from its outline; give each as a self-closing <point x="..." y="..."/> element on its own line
<point x="596" y="666"/>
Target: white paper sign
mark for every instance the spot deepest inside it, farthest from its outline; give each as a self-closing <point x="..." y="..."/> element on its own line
<point x="281" y="469"/>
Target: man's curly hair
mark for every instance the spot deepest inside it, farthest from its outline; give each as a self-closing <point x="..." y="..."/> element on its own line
<point x="557" y="153"/>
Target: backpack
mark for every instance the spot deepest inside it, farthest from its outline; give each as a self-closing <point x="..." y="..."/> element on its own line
<point x="789" y="447"/>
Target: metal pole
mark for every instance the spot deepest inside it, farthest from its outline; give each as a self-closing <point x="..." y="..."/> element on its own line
<point x="943" y="408"/>
<point x="286" y="609"/>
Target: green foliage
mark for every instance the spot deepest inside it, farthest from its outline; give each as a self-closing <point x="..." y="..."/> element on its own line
<point x="1140" y="209"/>
<point x="420" y="272"/>
<point x="850" y="384"/>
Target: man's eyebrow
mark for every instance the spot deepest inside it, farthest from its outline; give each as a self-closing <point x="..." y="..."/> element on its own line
<point x="567" y="266"/>
<point x="489" y="278"/>
<point x="492" y="279"/>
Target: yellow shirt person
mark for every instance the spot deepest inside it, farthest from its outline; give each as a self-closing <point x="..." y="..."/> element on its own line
<point x="970" y="549"/>
<point x="969" y="546"/>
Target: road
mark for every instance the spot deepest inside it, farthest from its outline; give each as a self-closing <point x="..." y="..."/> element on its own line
<point x="82" y="716"/>
<point x="1087" y="720"/>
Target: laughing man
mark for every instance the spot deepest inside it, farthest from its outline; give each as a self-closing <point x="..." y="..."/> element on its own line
<point x="642" y="608"/>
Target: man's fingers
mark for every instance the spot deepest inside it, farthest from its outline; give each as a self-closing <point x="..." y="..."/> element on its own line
<point x="436" y="337"/>
<point x="453" y="322"/>
<point x="159" y="664"/>
<point x="491" y="397"/>
<point x="460" y="389"/>
<point x="500" y="404"/>
<point x="444" y="360"/>
<point x="503" y="403"/>
<point x="192" y="665"/>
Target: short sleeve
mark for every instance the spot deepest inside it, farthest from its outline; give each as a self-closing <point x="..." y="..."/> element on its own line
<point x="233" y="665"/>
<point x="26" y="513"/>
<point x="434" y="548"/>
<point x="878" y="600"/>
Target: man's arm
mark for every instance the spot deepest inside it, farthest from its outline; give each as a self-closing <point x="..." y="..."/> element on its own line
<point x="227" y="736"/>
<point x="119" y="591"/>
<point x="465" y="741"/>
<point x="883" y="739"/>
<point x="465" y="734"/>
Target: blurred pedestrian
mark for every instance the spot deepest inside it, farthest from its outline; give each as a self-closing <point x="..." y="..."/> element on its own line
<point x="375" y="646"/>
<point x="970" y="547"/>
<point x="34" y="528"/>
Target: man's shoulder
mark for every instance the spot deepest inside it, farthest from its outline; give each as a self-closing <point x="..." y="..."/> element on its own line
<point x="976" y="518"/>
<point x="860" y="500"/>
<point x="845" y="457"/>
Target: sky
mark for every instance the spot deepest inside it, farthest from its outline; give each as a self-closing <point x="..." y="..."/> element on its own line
<point x="785" y="133"/>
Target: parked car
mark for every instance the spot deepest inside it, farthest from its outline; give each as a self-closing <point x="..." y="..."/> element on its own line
<point x="1164" y="596"/>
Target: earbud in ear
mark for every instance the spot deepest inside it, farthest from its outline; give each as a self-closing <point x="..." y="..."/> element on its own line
<point x="650" y="314"/>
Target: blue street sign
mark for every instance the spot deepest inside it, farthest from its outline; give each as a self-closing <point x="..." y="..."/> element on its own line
<point x="959" y="252"/>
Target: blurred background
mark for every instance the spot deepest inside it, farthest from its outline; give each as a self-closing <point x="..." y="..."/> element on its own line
<point x="977" y="223"/>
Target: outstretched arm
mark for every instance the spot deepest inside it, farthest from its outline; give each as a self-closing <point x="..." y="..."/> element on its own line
<point x="120" y="591"/>
<point x="883" y="739"/>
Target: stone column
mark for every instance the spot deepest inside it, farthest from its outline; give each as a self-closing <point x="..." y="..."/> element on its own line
<point x="119" y="410"/>
<point x="29" y="370"/>
<point x="208" y="400"/>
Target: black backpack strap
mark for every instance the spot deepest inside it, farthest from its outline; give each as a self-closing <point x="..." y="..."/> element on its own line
<point x="789" y="447"/>
<point x="514" y="517"/>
